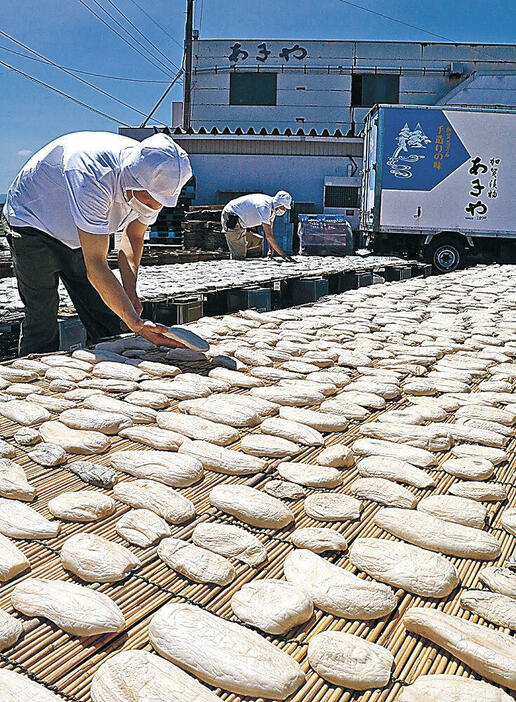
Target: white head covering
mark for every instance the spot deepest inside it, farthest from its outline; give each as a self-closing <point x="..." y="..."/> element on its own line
<point x="159" y="166"/>
<point x="282" y="199"/>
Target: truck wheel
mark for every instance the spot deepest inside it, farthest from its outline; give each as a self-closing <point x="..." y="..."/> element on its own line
<point x="445" y="255"/>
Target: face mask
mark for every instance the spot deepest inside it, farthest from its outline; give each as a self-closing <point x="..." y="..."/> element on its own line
<point x="146" y="214"/>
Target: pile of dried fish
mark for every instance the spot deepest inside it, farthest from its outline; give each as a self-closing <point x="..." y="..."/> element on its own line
<point x="330" y="458"/>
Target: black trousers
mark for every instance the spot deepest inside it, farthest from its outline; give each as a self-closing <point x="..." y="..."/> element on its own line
<point x="39" y="261"/>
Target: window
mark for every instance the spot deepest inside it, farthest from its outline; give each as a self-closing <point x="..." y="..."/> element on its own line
<point x="373" y="89"/>
<point x="340" y="196"/>
<point x="252" y="89"/>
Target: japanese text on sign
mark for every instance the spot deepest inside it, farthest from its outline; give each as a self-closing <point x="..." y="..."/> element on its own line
<point x="485" y="177"/>
<point x="442" y="145"/>
<point x="263" y="53"/>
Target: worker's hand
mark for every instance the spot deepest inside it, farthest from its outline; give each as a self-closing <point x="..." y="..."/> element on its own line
<point x="154" y="332"/>
<point x="270" y="253"/>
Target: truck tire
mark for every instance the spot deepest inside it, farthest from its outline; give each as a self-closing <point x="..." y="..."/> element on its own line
<point x="446" y="254"/>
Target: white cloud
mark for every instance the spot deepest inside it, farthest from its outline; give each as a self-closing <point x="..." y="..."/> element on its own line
<point x="24" y="152"/>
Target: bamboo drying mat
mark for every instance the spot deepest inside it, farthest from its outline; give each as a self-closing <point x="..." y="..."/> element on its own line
<point x="66" y="663"/>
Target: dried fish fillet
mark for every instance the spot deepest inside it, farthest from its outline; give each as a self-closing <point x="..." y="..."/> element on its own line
<point x="94" y="473"/>
<point x="96" y="559"/>
<point x="139" y="415"/>
<point x="176" y="470"/>
<point x="432" y="438"/>
<point x="491" y="654"/>
<point x="15" y="687"/>
<point x="452" y="688"/>
<point x="318" y="539"/>
<point x="10" y="631"/>
<point x="350" y="661"/>
<point x="284" y="490"/>
<point x="435" y="534"/>
<point x="23" y="412"/>
<point x="95" y="420"/>
<point x="491" y="606"/>
<point x="321" y="421"/>
<point x="142" y="527"/>
<point x="48" y="455"/>
<point x="158" y="498"/>
<point x="482" y="492"/>
<point x="292" y="431"/>
<point x="231" y="541"/>
<point x="196" y="563"/>
<point x="268" y="446"/>
<point x="74" y="440"/>
<point x="455" y="509"/>
<point x="310" y="475"/>
<point x="385" y="492"/>
<point x="472" y="468"/>
<point x="290" y="396"/>
<point x="236" y="378"/>
<point x="251" y="506"/>
<point x="232" y="414"/>
<point x="273" y="606"/>
<point x="332" y="507"/>
<point x="14" y="483"/>
<point x="223" y="654"/>
<point x="146" y="678"/>
<point x="388" y="449"/>
<point x="197" y="428"/>
<point x="146" y="398"/>
<point x="402" y="565"/>
<point x="500" y="580"/>
<point x="221" y="459"/>
<point x="337" y="456"/>
<point x="344" y="407"/>
<point x="76" y="609"/>
<point x="118" y="371"/>
<point x="19" y="521"/>
<point x="12" y="561"/>
<point x="153" y="436"/>
<point x="336" y="590"/>
<point x="81" y="506"/>
<point x="495" y="455"/>
<point x="490" y="414"/>
<point x="394" y="469"/>
<point x="508" y="520"/>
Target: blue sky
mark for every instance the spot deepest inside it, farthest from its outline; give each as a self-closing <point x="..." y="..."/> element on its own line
<point x="64" y="31"/>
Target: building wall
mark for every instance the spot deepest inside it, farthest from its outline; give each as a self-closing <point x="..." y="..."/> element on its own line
<point x="314" y="82"/>
<point x="302" y="176"/>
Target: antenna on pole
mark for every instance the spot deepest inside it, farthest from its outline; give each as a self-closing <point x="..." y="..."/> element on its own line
<point x="187" y="101"/>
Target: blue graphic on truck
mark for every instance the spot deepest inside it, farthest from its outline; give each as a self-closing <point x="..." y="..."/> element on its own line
<point x="420" y="155"/>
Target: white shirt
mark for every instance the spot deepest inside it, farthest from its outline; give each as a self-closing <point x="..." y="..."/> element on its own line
<point x="73" y="182"/>
<point x="252" y="210"/>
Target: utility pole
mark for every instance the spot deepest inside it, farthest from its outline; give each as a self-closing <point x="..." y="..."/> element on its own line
<point x="187" y="101"/>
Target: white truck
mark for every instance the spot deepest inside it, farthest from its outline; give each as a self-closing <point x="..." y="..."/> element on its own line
<point x="439" y="183"/>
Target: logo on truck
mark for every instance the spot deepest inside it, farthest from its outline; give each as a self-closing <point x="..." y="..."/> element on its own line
<point x="422" y="148"/>
<point x="408" y="141"/>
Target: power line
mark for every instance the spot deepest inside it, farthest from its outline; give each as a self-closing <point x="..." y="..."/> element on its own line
<point x="143" y="35"/>
<point x="167" y="69"/>
<point x="60" y="92"/>
<point x="88" y="73"/>
<point x="157" y="24"/>
<point x="393" y="19"/>
<point x="90" y="9"/>
<point x="65" y="70"/>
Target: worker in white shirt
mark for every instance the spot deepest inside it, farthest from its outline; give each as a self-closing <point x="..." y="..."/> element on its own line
<point x="244" y="213"/>
<point x="60" y="211"/>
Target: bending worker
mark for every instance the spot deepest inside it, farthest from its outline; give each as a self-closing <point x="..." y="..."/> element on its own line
<point x="61" y="209"/>
<point x="248" y="211"/>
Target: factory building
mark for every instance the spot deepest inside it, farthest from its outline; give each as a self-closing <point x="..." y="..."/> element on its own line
<point x="289" y="114"/>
